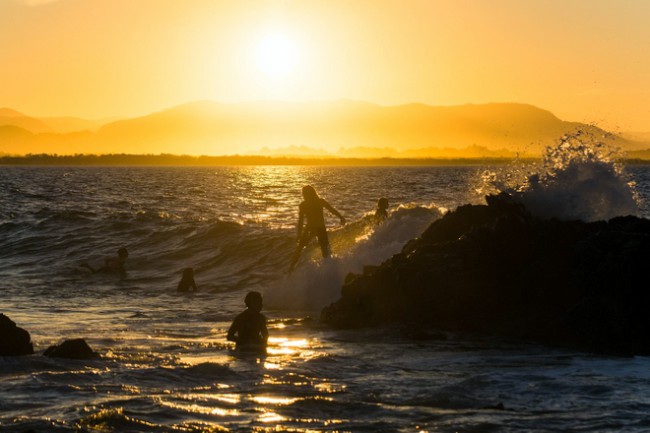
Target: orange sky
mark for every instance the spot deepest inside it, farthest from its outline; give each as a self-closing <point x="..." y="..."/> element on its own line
<point x="584" y="60"/>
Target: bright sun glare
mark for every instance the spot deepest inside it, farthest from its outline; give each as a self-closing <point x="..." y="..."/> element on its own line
<point x="277" y="55"/>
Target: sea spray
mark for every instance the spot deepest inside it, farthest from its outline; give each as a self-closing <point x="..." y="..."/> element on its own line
<point x="317" y="282"/>
<point x="578" y="178"/>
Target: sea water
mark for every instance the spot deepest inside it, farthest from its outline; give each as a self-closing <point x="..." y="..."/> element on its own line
<point x="165" y="364"/>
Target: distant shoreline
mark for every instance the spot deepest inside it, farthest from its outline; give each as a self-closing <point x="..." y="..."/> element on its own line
<point x="207" y="161"/>
<point x="168" y="160"/>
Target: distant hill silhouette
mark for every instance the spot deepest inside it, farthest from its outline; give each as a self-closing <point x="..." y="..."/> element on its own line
<point x="9" y="117"/>
<point x="8" y="112"/>
<point x="66" y="125"/>
<point x="207" y="127"/>
<point x="61" y="125"/>
<point x="345" y="128"/>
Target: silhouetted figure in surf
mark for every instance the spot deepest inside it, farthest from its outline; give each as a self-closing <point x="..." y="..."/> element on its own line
<point x="112" y="265"/>
<point x="248" y="330"/>
<point x="381" y="213"/>
<point x="187" y="283"/>
<point x="310" y="215"/>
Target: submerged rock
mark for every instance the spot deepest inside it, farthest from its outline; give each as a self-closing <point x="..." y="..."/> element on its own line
<point x="71" y="349"/>
<point x="496" y="269"/>
<point x="13" y="339"/>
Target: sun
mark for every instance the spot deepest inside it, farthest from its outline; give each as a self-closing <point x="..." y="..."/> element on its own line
<point x="276" y="55"/>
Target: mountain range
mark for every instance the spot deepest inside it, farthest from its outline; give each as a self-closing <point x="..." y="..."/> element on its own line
<point x="328" y="129"/>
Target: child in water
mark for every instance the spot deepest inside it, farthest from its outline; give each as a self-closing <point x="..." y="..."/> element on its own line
<point x="311" y="210"/>
<point x="382" y="210"/>
<point x="111" y="264"/>
<point x="248" y="330"/>
<point x="187" y="283"/>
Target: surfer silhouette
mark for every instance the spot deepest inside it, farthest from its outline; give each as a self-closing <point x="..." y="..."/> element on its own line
<point x="248" y="330"/>
<point x="113" y="265"/>
<point x="311" y="222"/>
<point x="381" y="213"/>
<point x="187" y="284"/>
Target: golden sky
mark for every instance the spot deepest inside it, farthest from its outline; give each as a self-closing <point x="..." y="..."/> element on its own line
<point x="584" y="60"/>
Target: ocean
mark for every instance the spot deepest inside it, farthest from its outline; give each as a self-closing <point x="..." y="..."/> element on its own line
<point x="165" y="364"/>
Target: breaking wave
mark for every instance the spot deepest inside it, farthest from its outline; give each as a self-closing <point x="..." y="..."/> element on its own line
<point x="580" y="178"/>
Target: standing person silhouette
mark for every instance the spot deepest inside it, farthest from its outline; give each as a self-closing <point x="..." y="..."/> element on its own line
<point x="310" y="215"/>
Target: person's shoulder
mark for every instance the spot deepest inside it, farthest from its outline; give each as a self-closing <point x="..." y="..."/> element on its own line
<point x="254" y="315"/>
<point x="240" y="316"/>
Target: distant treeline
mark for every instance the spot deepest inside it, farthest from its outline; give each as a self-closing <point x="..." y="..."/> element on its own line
<point x="187" y="160"/>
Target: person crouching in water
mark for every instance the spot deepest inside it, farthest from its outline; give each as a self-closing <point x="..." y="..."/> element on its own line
<point x="248" y="330"/>
<point x="187" y="284"/>
<point x="311" y="210"/>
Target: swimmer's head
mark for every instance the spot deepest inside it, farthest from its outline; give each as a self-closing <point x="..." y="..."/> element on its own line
<point x="122" y="253"/>
<point x="253" y="300"/>
<point x="382" y="203"/>
<point x="188" y="273"/>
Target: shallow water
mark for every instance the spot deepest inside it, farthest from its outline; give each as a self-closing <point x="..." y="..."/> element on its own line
<point x="165" y="363"/>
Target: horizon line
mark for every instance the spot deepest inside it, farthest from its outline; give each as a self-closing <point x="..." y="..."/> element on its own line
<point x="167" y="159"/>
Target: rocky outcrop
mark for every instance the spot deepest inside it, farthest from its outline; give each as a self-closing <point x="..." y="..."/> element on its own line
<point x="495" y="269"/>
<point x="17" y="341"/>
<point x="71" y="349"/>
<point x="13" y="339"/>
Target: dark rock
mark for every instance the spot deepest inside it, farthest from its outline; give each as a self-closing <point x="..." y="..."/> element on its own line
<point x="495" y="269"/>
<point x="13" y="339"/>
<point x="71" y="349"/>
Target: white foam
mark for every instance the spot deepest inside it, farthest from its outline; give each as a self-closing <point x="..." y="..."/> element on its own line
<point x="578" y="178"/>
<point x="585" y="190"/>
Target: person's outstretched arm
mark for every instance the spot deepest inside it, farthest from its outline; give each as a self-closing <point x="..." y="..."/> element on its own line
<point x="334" y="211"/>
